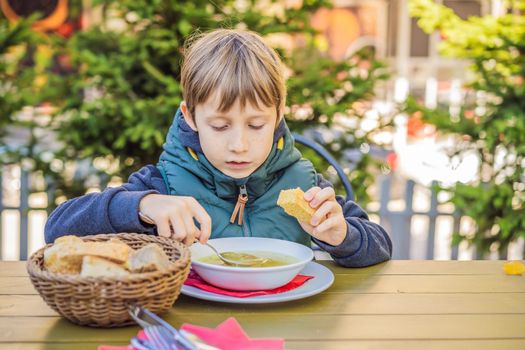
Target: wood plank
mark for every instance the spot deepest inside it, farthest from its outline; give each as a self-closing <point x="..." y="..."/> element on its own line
<point x="393" y="267"/>
<point x="428" y="284"/>
<point x="370" y="304"/>
<point x="370" y="327"/>
<point x="24" y="305"/>
<point x="325" y="345"/>
<point x="13" y="268"/>
<point x="16" y="285"/>
<point x="407" y="345"/>
<point x="59" y="330"/>
<point x="370" y="284"/>
<point x="56" y="346"/>
<point x="423" y="267"/>
<point x="290" y="327"/>
<point x="333" y="303"/>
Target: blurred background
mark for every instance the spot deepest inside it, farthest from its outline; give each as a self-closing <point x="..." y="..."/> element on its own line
<point x="421" y="102"/>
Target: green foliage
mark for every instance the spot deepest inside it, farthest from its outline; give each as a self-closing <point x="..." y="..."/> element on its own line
<point x="17" y="75"/>
<point x="118" y="101"/>
<point x="495" y="132"/>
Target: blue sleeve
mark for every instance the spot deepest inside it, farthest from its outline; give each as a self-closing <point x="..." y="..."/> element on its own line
<point x="366" y="243"/>
<point x="110" y="211"/>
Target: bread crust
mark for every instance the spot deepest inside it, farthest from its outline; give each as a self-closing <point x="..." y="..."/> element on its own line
<point x="151" y="257"/>
<point x="294" y="204"/>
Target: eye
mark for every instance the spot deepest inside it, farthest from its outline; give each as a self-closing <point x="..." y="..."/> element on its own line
<point x="219" y="128"/>
<point x="256" y="127"/>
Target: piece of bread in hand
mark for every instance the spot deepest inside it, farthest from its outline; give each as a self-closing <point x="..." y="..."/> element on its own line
<point x="149" y="258"/>
<point x="93" y="266"/>
<point x="294" y="204"/>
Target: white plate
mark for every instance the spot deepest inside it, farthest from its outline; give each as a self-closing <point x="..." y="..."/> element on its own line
<point x="323" y="278"/>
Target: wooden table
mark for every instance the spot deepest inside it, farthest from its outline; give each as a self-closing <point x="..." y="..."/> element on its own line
<point x="395" y="305"/>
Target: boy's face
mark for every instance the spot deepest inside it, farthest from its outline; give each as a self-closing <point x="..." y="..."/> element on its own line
<point x="236" y="142"/>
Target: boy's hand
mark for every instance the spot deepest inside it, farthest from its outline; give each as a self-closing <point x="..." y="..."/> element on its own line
<point x="328" y="223"/>
<point x="177" y="212"/>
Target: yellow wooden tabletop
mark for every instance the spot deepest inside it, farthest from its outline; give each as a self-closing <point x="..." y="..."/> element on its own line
<point x="394" y="305"/>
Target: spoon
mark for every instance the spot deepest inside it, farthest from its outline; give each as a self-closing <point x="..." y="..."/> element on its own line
<point x="243" y="259"/>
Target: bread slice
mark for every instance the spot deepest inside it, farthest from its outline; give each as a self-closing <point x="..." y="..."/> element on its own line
<point x="93" y="266"/>
<point x="294" y="204"/>
<point x="149" y="258"/>
<point x="114" y="250"/>
<point x="62" y="256"/>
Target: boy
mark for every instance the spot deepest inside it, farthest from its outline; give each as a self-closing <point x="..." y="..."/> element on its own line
<point x="227" y="156"/>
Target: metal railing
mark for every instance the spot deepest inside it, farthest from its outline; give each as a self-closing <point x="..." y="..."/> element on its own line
<point x="398" y="223"/>
<point x="23" y="209"/>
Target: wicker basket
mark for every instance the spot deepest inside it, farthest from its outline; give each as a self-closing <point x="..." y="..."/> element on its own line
<point x="103" y="301"/>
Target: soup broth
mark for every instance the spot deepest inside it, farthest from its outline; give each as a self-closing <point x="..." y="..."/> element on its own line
<point x="270" y="258"/>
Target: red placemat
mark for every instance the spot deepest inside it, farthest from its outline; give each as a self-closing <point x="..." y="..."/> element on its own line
<point x="194" y="280"/>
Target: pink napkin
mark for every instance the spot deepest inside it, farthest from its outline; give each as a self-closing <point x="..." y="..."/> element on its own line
<point x="230" y="336"/>
<point x="195" y="280"/>
<point x="227" y="336"/>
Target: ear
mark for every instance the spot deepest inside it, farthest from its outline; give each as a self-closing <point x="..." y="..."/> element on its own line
<point x="187" y="116"/>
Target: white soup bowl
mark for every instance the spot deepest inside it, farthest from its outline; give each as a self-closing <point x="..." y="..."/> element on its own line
<point x="250" y="278"/>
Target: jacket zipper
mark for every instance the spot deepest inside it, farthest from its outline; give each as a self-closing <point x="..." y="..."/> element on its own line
<point x="243" y="191"/>
<point x="245" y="228"/>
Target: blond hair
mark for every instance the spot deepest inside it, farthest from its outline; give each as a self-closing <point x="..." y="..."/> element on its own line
<point x="236" y="64"/>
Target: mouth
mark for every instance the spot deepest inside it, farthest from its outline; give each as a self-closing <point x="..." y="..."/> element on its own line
<point x="238" y="164"/>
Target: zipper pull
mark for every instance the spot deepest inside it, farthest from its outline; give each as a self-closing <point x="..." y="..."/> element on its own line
<point x="239" y="206"/>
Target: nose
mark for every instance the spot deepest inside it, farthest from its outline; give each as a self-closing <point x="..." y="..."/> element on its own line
<point x="238" y="142"/>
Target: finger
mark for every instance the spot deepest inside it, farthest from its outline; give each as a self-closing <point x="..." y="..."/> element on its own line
<point x="322" y="213"/>
<point x="163" y="227"/>
<point x="203" y="219"/>
<point x="310" y="194"/>
<point x="178" y="227"/>
<point x="326" y="225"/>
<point x="191" y="229"/>
<point x="307" y="227"/>
<point x="325" y="194"/>
<point x="190" y="238"/>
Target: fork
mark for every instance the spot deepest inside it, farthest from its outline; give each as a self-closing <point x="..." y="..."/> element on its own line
<point x="159" y="339"/>
<point x="185" y="340"/>
<point x="140" y="344"/>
